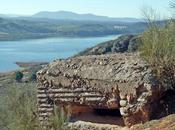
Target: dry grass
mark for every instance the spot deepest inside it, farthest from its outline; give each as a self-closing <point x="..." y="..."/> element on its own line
<point x="166" y="123"/>
<point x="18" y="110"/>
<point x="158" y="49"/>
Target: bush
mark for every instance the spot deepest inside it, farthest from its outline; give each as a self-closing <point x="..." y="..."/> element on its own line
<point x="19" y="109"/>
<point x="32" y="72"/>
<point x="18" y="76"/>
<point x="158" y="49"/>
<point x="32" y="77"/>
<point x="58" y="119"/>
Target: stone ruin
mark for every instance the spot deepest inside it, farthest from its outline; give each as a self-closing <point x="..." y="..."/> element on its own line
<point x="115" y="88"/>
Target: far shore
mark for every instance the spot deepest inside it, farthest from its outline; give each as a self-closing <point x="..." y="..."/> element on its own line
<point x="30" y="64"/>
<point x="24" y="66"/>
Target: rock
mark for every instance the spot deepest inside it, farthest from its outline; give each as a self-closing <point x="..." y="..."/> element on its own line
<point x="122" y="96"/>
<point x="130" y="98"/>
<point x="120" y="44"/>
<point x="113" y="103"/>
<point x="143" y="97"/>
<point x="81" y="125"/>
<point x="141" y="100"/>
<point x="123" y="111"/>
<point x="123" y="103"/>
<point x="90" y="81"/>
<point x="134" y="44"/>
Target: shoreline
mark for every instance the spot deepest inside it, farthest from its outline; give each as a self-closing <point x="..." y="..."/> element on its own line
<point x="48" y="37"/>
<point x="23" y="65"/>
<point x="30" y="64"/>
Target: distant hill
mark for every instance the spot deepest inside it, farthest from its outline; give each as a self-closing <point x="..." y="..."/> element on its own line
<point x="66" y="15"/>
<point x="30" y="28"/>
<point x="10" y="15"/>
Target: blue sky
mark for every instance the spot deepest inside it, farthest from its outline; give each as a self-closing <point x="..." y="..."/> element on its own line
<point x="113" y="8"/>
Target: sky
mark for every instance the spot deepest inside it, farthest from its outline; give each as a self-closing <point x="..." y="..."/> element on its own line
<point x="111" y="8"/>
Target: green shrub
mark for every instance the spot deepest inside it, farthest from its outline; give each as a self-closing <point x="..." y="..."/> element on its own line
<point x="18" y="109"/>
<point x="58" y="119"/>
<point x="32" y="72"/>
<point x="18" y="76"/>
<point x="158" y="49"/>
<point x="32" y="77"/>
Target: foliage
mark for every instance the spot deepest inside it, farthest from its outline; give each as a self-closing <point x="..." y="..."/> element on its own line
<point x="32" y="77"/>
<point x="19" y="107"/>
<point x="18" y="110"/>
<point x="58" y="120"/>
<point x="32" y="72"/>
<point x="158" y="49"/>
<point x="18" y="76"/>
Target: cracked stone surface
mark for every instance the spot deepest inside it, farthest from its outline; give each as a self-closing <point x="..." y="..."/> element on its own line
<point x="113" y="81"/>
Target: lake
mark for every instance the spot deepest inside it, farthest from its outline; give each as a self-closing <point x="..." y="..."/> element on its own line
<point x="43" y="49"/>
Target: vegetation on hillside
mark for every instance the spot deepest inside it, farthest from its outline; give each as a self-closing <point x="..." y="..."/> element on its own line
<point x="15" y="29"/>
<point x="18" y="109"/>
<point x="18" y="76"/>
<point x="158" y="49"/>
<point x="18" y="102"/>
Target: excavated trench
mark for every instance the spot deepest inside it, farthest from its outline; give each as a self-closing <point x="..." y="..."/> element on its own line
<point x="107" y="112"/>
<point x="101" y="116"/>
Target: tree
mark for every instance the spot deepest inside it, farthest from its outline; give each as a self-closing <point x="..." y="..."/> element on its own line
<point x="18" y="76"/>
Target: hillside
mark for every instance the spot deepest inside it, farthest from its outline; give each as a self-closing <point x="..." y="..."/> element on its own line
<point x="30" y="28"/>
<point x="125" y="43"/>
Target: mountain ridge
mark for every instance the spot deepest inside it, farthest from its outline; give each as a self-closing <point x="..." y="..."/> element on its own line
<point x="68" y="15"/>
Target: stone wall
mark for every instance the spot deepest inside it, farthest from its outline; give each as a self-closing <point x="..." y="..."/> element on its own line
<point x="110" y="82"/>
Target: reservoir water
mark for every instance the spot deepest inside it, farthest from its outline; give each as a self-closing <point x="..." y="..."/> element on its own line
<point x="43" y="49"/>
